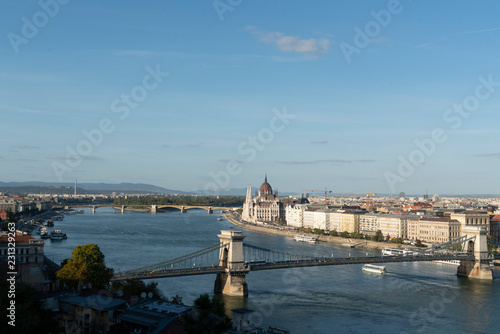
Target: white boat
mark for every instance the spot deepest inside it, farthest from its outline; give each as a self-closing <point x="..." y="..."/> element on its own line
<point x="220" y="218"/>
<point x="80" y="211"/>
<point x="373" y="269"/>
<point x="44" y="233"/>
<point x="305" y="238"/>
<point x="57" y="235"/>
<point x="397" y="252"/>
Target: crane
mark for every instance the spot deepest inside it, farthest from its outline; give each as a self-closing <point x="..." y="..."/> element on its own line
<point x="320" y="191"/>
<point x="367" y="197"/>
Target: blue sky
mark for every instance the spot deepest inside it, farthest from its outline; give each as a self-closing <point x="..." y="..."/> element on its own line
<point x="208" y="83"/>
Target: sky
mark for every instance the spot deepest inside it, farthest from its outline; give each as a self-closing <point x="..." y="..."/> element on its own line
<point x="390" y="96"/>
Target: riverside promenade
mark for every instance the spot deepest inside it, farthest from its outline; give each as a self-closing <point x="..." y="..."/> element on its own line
<point x="287" y="231"/>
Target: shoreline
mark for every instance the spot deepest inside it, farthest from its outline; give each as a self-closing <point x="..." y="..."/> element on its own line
<point x="345" y="242"/>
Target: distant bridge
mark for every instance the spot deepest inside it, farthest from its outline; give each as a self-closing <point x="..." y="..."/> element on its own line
<point x="154" y="207"/>
<point x="231" y="260"/>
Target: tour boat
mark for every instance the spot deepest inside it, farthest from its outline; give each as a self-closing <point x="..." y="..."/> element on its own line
<point x="371" y="268"/>
<point x="397" y="252"/>
<point x="305" y="238"/>
<point x="57" y="235"/>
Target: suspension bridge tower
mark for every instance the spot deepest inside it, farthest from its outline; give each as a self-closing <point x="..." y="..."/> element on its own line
<point x="480" y="268"/>
<point x="233" y="281"/>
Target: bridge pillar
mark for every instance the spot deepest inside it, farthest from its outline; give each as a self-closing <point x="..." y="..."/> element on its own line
<point x="233" y="281"/>
<point x="93" y="209"/>
<point x="183" y="209"/>
<point x="480" y="268"/>
<point x="210" y="210"/>
<point x="153" y="208"/>
<point x="123" y="208"/>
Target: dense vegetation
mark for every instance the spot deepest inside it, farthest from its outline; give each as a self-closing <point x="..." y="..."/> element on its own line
<point x="86" y="265"/>
<point x="229" y="201"/>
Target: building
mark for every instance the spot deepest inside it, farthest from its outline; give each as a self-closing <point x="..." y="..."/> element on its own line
<point x="94" y="313"/>
<point x="29" y="258"/>
<point x="3" y="215"/>
<point x="265" y="206"/>
<point x="316" y="219"/>
<point x="152" y="316"/>
<point x="394" y="226"/>
<point x="472" y="218"/>
<point x="369" y="224"/>
<point x="350" y="222"/>
<point x="294" y="214"/>
<point x="434" y="230"/>
<point x="335" y="220"/>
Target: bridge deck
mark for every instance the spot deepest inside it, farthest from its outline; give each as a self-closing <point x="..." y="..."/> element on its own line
<point x="256" y="266"/>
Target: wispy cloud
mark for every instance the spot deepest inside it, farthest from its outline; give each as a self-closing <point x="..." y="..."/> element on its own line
<point x="365" y="160"/>
<point x="311" y="46"/>
<point x="315" y="162"/>
<point x="319" y="142"/>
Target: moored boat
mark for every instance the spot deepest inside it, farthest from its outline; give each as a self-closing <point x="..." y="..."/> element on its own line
<point x="57" y="235"/>
<point x="373" y="269"/>
<point x="305" y="238"/>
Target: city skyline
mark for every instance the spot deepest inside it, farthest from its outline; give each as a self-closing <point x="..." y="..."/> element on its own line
<point x="390" y="96"/>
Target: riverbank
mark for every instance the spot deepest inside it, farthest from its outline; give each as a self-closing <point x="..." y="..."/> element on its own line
<point x="234" y="218"/>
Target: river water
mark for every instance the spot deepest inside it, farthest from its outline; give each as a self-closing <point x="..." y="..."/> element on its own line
<point x="411" y="298"/>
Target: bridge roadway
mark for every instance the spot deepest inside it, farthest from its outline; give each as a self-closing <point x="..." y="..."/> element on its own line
<point x="262" y="265"/>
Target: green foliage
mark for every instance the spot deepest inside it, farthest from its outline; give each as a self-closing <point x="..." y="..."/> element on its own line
<point x="334" y="233"/>
<point x="397" y="240"/>
<point x="86" y="265"/>
<point x="318" y="231"/>
<point x="419" y="243"/>
<point x="357" y="235"/>
<point x="137" y="287"/>
<point x="345" y="234"/>
<point x="457" y="248"/>
<point x="31" y="317"/>
<point x="378" y="236"/>
<point x="211" y="318"/>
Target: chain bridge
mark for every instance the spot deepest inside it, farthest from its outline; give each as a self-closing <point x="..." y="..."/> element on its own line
<point x="231" y="260"/>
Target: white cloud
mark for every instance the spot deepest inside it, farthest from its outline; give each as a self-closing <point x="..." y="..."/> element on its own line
<point x="292" y="43"/>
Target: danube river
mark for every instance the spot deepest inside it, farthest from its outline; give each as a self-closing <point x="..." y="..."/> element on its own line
<point x="411" y="298"/>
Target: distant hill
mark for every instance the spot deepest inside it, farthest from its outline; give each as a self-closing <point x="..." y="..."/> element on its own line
<point x="82" y="188"/>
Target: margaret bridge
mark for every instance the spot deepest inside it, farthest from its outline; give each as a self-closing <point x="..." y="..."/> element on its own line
<point x="154" y="208"/>
<point x="231" y="260"/>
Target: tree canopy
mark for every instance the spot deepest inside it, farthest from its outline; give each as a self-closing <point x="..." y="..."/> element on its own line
<point x="86" y="265"/>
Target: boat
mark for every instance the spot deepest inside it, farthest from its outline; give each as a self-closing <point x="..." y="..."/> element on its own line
<point x="305" y="238"/>
<point x="397" y="252"/>
<point x="80" y="211"/>
<point x="57" y="235"/>
<point x="44" y="233"/>
<point x="373" y="269"/>
<point x="220" y="218"/>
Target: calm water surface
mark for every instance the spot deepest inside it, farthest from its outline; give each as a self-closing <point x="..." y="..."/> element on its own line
<point x="412" y="298"/>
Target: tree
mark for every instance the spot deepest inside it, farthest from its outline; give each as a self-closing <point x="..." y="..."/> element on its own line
<point x="379" y="236"/>
<point x="345" y="234"/>
<point x="211" y="317"/>
<point x="334" y="233"/>
<point x="86" y="265"/>
<point x="137" y="287"/>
